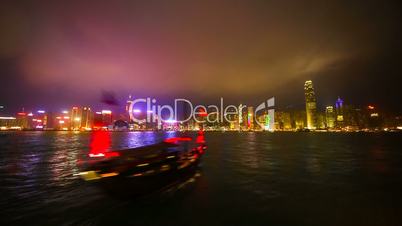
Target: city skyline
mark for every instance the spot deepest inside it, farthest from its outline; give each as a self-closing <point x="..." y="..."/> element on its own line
<point x="119" y="99"/>
<point x="339" y="116"/>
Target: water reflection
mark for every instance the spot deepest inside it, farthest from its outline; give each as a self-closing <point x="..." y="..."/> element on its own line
<point x="378" y="160"/>
<point x="251" y="157"/>
<point x="313" y="164"/>
<point x="137" y="139"/>
<point x="64" y="161"/>
<point x="298" y="178"/>
<point x="182" y="184"/>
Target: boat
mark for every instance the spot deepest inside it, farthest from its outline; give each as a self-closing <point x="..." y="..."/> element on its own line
<point x="141" y="170"/>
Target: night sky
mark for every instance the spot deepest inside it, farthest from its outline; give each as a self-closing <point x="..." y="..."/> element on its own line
<point x="55" y="54"/>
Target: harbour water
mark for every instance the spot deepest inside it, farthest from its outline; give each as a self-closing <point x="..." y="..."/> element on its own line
<point x="245" y="179"/>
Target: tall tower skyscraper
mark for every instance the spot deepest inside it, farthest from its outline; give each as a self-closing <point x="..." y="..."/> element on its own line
<point x="311" y="105"/>
<point x="86" y="118"/>
<point x="250" y="118"/>
<point x="339" y="112"/>
<point x="330" y="117"/>
<point x="75" y="118"/>
<point x="128" y="108"/>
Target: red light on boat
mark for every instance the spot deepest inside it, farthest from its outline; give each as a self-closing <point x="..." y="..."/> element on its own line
<point x="105" y="154"/>
<point x="177" y="139"/>
<point x="200" y="150"/>
<point x="100" y="144"/>
<point x="112" y="154"/>
<point x="200" y="137"/>
<point x="96" y="155"/>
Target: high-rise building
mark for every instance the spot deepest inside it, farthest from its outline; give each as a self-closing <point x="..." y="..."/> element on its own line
<point x="22" y="120"/>
<point x="339" y="112"/>
<point x="374" y="119"/>
<point x="311" y="105"/>
<point x="7" y="122"/>
<point x="62" y="121"/>
<point x="75" y="118"/>
<point x="41" y="120"/>
<point x="250" y="118"/>
<point x="107" y="118"/>
<point x="98" y="121"/>
<point x="330" y="117"/>
<point x="51" y="121"/>
<point x="298" y="119"/>
<point x="102" y="120"/>
<point x="282" y="120"/>
<point x="81" y="118"/>
<point x="234" y="122"/>
<point x="66" y="120"/>
<point x="240" y="116"/>
<point x="128" y="109"/>
<point x="321" y="121"/>
<point x="86" y="118"/>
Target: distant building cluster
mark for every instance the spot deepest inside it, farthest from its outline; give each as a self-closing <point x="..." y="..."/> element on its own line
<point x="77" y="119"/>
<point x="336" y="117"/>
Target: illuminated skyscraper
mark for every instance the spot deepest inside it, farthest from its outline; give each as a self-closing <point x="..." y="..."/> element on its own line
<point x="86" y="118"/>
<point x="298" y="119"/>
<point x="22" y="120"/>
<point x="339" y="112"/>
<point x="107" y="118"/>
<point x="250" y="118"/>
<point x="102" y="120"/>
<point x="97" y="121"/>
<point x="128" y="108"/>
<point x="240" y="116"/>
<point x="75" y="118"/>
<point x="65" y="122"/>
<point x="330" y="117"/>
<point x="41" y="119"/>
<point x="282" y="120"/>
<point x="311" y="105"/>
<point x="50" y="121"/>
